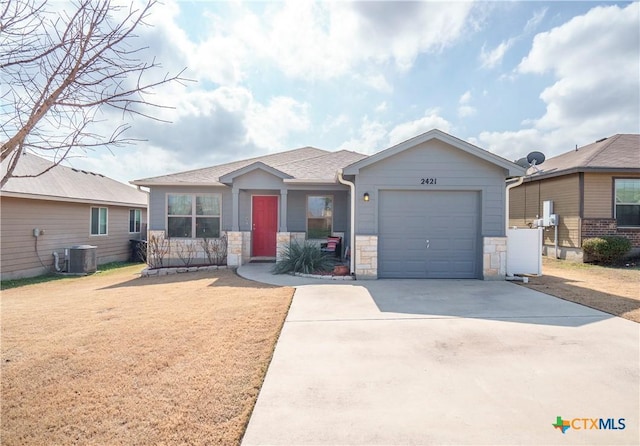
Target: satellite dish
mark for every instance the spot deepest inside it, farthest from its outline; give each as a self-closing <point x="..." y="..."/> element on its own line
<point x="522" y="162"/>
<point x="535" y="158"/>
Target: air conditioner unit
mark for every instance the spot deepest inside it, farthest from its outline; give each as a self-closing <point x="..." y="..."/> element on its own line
<point x="82" y="259"/>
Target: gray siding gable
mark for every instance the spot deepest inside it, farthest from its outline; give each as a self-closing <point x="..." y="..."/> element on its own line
<point x="436" y="135"/>
<point x="451" y="168"/>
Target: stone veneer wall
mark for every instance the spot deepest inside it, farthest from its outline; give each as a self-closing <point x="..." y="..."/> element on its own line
<point x="366" y="256"/>
<point x="238" y="248"/>
<point x="494" y="258"/>
<point x="283" y="239"/>
<point x="172" y="259"/>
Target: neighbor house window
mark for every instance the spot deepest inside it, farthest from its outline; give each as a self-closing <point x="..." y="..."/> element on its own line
<point x="135" y="217"/>
<point x="98" y="221"/>
<point x="319" y="216"/>
<point x="627" y="202"/>
<point x="193" y="215"/>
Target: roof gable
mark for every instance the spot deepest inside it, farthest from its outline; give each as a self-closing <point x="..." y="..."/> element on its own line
<point x="229" y="177"/>
<point x="512" y="168"/>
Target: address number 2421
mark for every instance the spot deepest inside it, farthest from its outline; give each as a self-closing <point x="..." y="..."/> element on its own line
<point x="428" y="181"/>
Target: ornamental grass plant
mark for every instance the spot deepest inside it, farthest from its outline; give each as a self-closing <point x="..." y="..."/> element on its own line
<point x="305" y="258"/>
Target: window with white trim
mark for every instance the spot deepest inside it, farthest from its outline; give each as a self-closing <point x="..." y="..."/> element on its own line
<point x="135" y="219"/>
<point x="319" y="216"/>
<point x="193" y="215"/>
<point x="627" y="196"/>
<point x="99" y="221"/>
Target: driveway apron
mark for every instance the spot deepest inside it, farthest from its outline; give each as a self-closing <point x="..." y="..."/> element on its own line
<point x="393" y="362"/>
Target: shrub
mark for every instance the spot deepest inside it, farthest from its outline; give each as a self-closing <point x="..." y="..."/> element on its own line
<point x="215" y="249"/>
<point x="607" y="249"/>
<point x="306" y="258"/>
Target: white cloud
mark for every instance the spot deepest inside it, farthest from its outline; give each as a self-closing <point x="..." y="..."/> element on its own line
<point x="268" y="126"/>
<point x="335" y="122"/>
<point x="464" y="109"/>
<point x="492" y="58"/>
<point x="430" y="120"/>
<point x="534" y="21"/>
<point x="381" y="107"/>
<point x="596" y="92"/>
<point x="323" y="40"/>
<point x="372" y="136"/>
<point x="129" y="163"/>
<point x="375" y="135"/>
<point x="375" y="81"/>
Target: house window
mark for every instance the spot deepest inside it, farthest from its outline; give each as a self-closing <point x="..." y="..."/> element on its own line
<point x="98" y="221"/>
<point x="135" y="217"/>
<point x="627" y="202"/>
<point x="319" y="216"/>
<point x="189" y="214"/>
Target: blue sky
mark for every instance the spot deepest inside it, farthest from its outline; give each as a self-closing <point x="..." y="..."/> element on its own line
<point x="510" y="77"/>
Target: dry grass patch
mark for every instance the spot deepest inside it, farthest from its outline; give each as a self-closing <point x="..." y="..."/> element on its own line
<point x="116" y="359"/>
<point x="612" y="290"/>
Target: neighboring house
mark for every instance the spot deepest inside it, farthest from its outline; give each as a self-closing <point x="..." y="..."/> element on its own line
<point x="595" y="191"/>
<point x="431" y="207"/>
<point x="68" y="207"/>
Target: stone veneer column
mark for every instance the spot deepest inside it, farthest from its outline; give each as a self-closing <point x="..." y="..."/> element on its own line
<point x="282" y="241"/>
<point x="246" y="247"/>
<point x="366" y="251"/>
<point x="494" y="258"/>
<point x="234" y="248"/>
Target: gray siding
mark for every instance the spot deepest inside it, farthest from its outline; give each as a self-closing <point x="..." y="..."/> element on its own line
<point x="296" y="204"/>
<point x="297" y="209"/>
<point x="65" y="225"/>
<point x="453" y="169"/>
<point x="257" y="179"/>
<point x="245" y="203"/>
<point x="158" y="203"/>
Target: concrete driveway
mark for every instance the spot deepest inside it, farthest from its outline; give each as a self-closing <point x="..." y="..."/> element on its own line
<point x="393" y="362"/>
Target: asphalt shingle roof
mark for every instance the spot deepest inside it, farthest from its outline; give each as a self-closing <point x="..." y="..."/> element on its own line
<point x="304" y="164"/>
<point x="66" y="183"/>
<point x="620" y="151"/>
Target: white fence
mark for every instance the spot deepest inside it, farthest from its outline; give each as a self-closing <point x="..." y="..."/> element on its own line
<point x="524" y="251"/>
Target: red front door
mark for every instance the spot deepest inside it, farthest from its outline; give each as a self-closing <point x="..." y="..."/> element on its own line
<point x="265" y="225"/>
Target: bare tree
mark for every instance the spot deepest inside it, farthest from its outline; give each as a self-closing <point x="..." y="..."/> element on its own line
<point x="60" y="67"/>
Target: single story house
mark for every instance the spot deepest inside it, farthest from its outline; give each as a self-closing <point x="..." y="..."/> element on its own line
<point x="430" y="207"/>
<point x="61" y="208"/>
<point x="595" y="191"/>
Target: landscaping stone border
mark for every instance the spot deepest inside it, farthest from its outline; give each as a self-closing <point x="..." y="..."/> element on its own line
<point x="147" y="272"/>
<point x="323" y="276"/>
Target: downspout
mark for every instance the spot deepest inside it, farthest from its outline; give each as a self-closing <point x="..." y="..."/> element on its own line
<point x="56" y="259"/>
<point x="509" y="187"/>
<point x="516" y="183"/>
<point x="352" y="234"/>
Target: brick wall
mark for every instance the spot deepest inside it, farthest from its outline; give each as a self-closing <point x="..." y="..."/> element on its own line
<point x="596" y="227"/>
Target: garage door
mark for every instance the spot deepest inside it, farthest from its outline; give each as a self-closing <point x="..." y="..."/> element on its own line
<point x="428" y="234"/>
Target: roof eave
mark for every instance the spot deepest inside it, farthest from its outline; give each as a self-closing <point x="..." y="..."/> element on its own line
<point x="177" y="183"/>
<point x="71" y="199"/>
<point x="309" y="181"/>
<point x="542" y="175"/>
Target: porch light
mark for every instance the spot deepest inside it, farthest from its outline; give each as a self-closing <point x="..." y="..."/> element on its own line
<point x="365" y="197"/>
